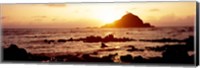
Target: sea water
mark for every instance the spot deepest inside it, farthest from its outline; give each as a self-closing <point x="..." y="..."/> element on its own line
<point x="32" y="39"/>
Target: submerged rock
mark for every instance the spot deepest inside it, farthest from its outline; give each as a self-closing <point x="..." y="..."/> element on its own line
<point x="157" y="48"/>
<point x="188" y="41"/>
<point x="162" y="40"/>
<point x="49" y="41"/>
<point x="67" y="58"/>
<point x="134" y="49"/>
<point x="89" y="58"/>
<point x="103" y="45"/>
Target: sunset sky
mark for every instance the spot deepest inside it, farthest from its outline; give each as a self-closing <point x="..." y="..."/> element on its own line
<point x="69" y="15"/>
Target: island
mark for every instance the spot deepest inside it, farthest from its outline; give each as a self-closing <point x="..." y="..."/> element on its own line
<point x="129" y="20"/>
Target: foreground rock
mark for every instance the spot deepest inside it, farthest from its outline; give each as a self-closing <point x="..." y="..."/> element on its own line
<point x="108" y="58"/>
<point x="171" y="54"/>
<point x="188" y="46"/>
<point x="174" y="54"/>
<point x="15" y="53"/>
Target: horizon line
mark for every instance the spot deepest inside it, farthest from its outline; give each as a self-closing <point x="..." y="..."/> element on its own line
<point x="81" y="27"/>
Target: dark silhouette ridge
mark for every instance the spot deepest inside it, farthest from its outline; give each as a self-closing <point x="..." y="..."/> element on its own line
<point x="128" y="21"/>
<point x="189" y="45"/>
<point x="109" y="38"/>
<point x="62" y="40"/>
<point x="190" y="40"/>
<point x="162" y="40"/>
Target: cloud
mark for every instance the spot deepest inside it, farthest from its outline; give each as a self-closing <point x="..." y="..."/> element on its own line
<point x="3" y="17"/>
<point x="39" y="16"/>
<point x="54" y="19"/>
<point x="173" y="20"/>
<point x="56" y="5"/>
<point x="38" y="20"/>
<point x="134" y="8"/>
<point x="154" y="10"/>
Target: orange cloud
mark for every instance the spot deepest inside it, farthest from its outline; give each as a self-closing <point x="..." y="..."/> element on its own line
<point x="172" y="20"/>
<point x="39" y="16"/>
<point x="153" y="10"/>
<point x="3" y="17"/>
<point x="56" y="5"/>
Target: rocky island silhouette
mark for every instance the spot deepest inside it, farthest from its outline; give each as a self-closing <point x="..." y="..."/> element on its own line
<point x="129" y="20"/>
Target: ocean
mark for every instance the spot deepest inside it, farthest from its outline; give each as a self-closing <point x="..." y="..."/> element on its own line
<point x="32" y="40"/>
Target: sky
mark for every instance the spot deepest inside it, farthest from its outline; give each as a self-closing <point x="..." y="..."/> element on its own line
<point x="70" y="15"/>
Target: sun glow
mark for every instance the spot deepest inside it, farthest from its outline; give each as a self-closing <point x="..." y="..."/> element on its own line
<point x="95" y="14"/>
<point x="108" y="16"/>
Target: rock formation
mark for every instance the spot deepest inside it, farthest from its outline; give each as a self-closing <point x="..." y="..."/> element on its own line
<point x="127" y="21"/>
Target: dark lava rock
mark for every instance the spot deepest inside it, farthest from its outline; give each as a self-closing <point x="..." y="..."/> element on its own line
<point x="92" y="39"/>
<point x="190" y="42"/>
<point x="14" y="53"/>
<point x="67" y="58"/>
<point x="49" y="41"/>
<point x="62" y="40"/>
<point x="157" y="48"/>
<point x="109" y="38"/>
<point x="139" y="59"/>
<point x="71" y="39"/>
<point x="134" y="49"/>
<point x="162" y="40"/>
<point x="126" y="58"/>
<point x="88" y="58"/>
<point x="103" y="45"/>
<point x="189" y="46"/>
<point x="176" y="54"/>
